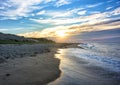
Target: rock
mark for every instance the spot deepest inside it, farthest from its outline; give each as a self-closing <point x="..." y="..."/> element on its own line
<point x="7" y="74"/>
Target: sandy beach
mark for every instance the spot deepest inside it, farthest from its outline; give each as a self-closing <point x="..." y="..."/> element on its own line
<point x="29" y="64"/>
<point x="50" y="64"/>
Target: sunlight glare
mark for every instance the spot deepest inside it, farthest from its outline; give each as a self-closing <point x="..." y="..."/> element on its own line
<point x="61" y="34"/>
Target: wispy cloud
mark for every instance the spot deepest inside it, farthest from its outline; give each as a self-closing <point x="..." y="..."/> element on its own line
<point x="63" y="21"/>
<point x="94" y="12"/>
<point x="63" y="13"/>
<point x="108" y="8"/>
<point x="90" y="19"/>
<point x="94" y="5"/>
<point x="94" y="22"/>
<point x="15" y="9"/>
<point x="62" y="2"/>
<point x="20" y="8"/>
<point x="5" y="30"/>
<point x="72" y="30"/>
<point x="116" y="11"/>
<point x="2" y="7"/>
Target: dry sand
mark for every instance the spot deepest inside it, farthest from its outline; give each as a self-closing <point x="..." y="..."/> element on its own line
<point x="29" y="64"/>
<point x="37" y="70"/>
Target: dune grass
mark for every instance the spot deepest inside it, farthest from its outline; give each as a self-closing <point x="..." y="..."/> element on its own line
<point x="35" y="41"/>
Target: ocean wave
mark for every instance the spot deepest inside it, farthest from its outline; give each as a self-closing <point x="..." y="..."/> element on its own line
<point x="97" y="58"/>
<point x="86" y="45"/>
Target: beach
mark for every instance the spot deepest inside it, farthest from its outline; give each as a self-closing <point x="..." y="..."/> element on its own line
<point x="94" y="64"/>
<point x="29" y="64"/>
<point x="59" y="64"/>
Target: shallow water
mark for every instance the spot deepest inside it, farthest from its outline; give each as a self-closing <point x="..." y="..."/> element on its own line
<point x="96" y="64"/>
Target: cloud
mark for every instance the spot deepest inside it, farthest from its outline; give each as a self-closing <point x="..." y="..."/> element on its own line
<point x="62" y="2"/>
<point x="73" y="30"/>
<point x="94" y="5"/>
<point x="49" y="32"/>
<point x="109" y="8"/>
<point x="116" y="11"/>
<point x="47" y="1"/>
<point x="15" y="9"/>
<point x="59" y="14"/>
<point x="92" y="22"/>
<point x="82" y="12"/>
<point x="89" y="19"/>
<point x="94" y="12"/>
<point x="63" y="21"/>
<point x="7" y="30"/>
<point x="63" y="13"/>
<point x="1" y="8"/>
<point x="99" y="35"/>
<point x="3" y="29"/>
<point x="20" y="8"/>
<point x="41" y="12"/>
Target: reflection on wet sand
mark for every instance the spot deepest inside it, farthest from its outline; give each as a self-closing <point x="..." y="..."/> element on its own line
<point x="78" y="71"/>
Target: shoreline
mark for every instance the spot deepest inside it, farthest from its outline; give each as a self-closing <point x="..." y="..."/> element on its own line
<point x="36" y="66"/>
<point x="78" y="70"/>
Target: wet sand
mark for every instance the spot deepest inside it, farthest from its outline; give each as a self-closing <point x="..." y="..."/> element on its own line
<point x="78" y="71"/>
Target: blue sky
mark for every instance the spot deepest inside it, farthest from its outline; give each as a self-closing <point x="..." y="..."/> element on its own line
<point x="50" y="18"/>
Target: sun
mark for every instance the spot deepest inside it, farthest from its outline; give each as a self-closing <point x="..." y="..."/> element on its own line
<point x="61" y="34"/>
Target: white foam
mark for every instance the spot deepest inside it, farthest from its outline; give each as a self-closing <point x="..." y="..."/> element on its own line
<point x="98" y="59"/>
<point x="85" y="45"/>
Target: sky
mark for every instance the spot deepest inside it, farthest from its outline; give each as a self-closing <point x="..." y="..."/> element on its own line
<point x="61" y="20"/>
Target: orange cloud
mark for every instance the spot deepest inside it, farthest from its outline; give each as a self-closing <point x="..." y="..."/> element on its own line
<point x="71" y="30"/>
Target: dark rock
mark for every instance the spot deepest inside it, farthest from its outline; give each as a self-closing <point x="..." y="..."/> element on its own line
<point x="7" y="74"/>
<point x="48" y="50"/>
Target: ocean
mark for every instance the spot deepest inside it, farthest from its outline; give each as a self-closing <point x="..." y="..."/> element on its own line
<point x="93" y="64"/>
